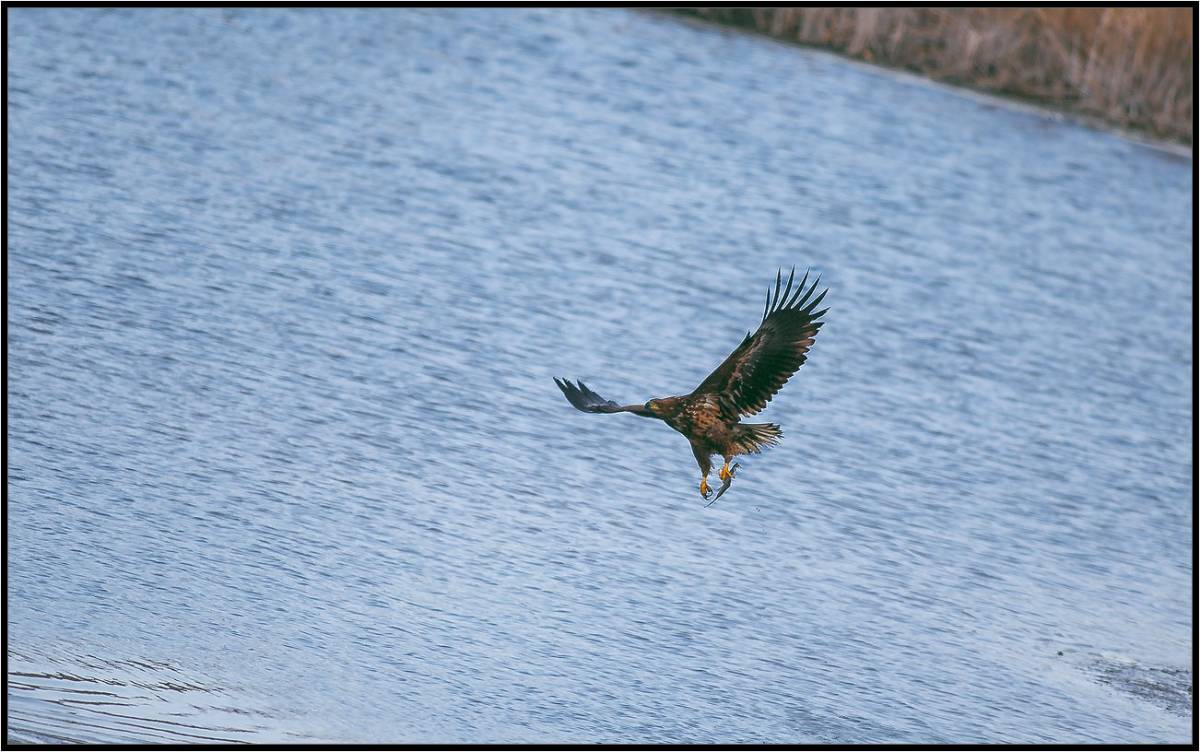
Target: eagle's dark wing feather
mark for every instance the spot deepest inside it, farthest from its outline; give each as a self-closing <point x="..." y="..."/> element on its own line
<point x="588" y="401"/>
<point x="766" y="359"/>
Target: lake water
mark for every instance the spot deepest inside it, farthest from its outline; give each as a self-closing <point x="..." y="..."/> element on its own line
<point x="286" y="293"/>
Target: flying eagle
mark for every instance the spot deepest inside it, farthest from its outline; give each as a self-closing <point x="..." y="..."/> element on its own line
<point x="742" y="385"/>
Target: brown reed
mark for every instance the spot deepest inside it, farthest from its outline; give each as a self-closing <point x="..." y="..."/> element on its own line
<point x="1131" y="66"/>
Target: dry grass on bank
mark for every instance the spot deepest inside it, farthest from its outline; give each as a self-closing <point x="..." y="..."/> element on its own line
<point x="1131" y="67"/>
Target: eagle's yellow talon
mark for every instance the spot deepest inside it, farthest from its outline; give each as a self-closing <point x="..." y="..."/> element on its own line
<point x="725" y="475"/>
<point x="704" y="490"/>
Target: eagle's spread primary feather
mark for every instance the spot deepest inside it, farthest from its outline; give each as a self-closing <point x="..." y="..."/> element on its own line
<point x="742" y="385"/>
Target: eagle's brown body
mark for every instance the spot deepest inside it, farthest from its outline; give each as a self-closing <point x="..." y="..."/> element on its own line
<point x="742" y="385"/>
<point x="711" y="430"/>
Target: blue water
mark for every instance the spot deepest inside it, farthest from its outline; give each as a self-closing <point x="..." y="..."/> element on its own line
<point x="286" y="293"/>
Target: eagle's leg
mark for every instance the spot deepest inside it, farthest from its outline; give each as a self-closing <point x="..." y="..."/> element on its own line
<point x="702" y="459"/>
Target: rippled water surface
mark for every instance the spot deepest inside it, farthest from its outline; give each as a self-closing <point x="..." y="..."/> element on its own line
<point x="286" y="291"/>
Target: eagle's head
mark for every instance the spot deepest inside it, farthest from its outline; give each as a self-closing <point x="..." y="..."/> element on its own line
<point x="659" y="408"/>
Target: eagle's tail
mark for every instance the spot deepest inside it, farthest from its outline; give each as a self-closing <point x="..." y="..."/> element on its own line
<point x="751" y="438"/>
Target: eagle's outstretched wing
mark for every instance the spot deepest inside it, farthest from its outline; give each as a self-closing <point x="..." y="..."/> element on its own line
<point x="766" y="359"/>
<point x="588" y="401"/>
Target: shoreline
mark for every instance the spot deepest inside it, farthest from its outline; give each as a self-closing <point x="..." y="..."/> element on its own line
<point x="1176" y="145"/>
